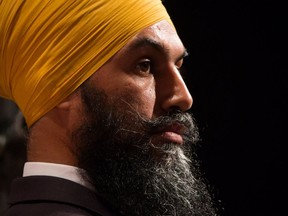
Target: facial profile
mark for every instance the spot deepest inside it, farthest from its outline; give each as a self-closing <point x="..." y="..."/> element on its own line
<point x="136" y="142"/>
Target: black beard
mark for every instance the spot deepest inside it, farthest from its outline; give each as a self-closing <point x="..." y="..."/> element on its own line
<point x="131" y="173"/>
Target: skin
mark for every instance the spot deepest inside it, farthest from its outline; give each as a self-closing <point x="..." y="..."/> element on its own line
<point x="146" y="69"/>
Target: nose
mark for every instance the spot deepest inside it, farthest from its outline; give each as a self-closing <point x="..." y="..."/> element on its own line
<point x="175" y="94"/>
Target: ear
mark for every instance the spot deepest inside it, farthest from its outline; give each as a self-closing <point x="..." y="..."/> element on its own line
<point x="68" y="113"/>
<point x="70" y="102"/>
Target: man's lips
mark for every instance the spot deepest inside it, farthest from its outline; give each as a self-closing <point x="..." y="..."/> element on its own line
<point x="172" y="133"/>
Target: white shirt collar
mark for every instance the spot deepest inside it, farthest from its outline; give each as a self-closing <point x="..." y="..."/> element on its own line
<point x="57" y="170"/>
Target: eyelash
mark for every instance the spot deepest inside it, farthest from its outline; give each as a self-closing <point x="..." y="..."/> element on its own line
<point x="146" y="63"/>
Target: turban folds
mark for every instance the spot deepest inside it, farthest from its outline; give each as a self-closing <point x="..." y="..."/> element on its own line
<point x="48" y="48"/>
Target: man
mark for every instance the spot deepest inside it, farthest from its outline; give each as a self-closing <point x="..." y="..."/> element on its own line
<point x="99" y="85"/>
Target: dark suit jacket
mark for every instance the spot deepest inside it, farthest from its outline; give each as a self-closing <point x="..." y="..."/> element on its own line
<point x="51" y="196"/>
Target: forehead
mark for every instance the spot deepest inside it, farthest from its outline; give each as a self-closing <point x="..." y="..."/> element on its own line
<point x="161" y="36"/>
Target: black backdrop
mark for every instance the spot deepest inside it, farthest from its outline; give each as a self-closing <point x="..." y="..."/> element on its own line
<point x="237" y="74"/>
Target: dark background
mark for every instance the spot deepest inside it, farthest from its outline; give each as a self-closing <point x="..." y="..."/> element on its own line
<point x="237" y="74"/>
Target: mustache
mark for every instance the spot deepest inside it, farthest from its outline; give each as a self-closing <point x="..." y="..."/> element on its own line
<point x="183" y="120"/>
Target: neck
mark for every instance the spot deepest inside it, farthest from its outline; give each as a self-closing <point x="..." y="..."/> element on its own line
<point x="49" y="141"/>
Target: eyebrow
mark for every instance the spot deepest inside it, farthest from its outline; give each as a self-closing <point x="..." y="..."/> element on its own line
<point x="142" y="42"/>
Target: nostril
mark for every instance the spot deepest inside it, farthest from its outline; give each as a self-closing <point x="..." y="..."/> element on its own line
<point x="174" y="110"/>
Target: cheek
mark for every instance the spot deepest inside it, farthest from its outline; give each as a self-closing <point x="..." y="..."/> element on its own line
<point x="128" y="90"/>
<point x="140" y="97"/>
<point x="146" y="102"/>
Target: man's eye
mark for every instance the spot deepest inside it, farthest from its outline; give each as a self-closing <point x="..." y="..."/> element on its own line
<point x="144" y="66"/>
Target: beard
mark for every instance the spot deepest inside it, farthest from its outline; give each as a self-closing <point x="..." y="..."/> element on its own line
<point x="136" y="176"/>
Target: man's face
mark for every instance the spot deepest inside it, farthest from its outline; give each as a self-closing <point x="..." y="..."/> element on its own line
<point x="135" y="140"/>
<point x="148" y="70"/>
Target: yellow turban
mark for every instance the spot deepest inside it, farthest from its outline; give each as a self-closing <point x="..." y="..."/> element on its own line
<point x="48" y="48"/>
